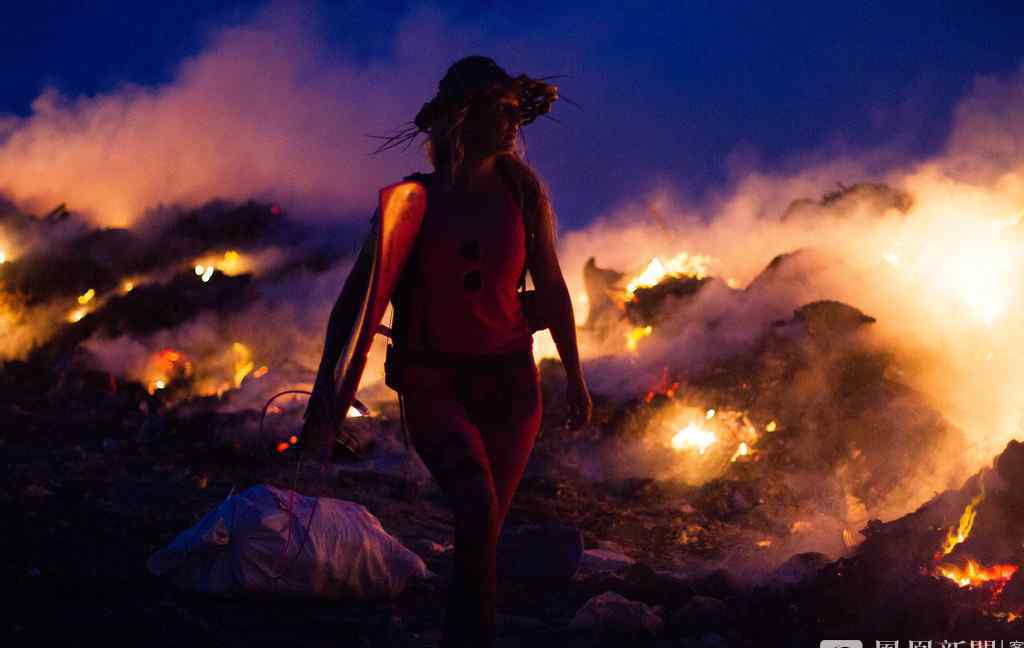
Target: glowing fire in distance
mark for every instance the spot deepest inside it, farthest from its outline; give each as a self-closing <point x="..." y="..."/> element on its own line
<point x="681" y="265"/>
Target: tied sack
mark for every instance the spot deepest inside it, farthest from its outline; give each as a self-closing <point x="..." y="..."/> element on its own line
<point x="244" y="546"/>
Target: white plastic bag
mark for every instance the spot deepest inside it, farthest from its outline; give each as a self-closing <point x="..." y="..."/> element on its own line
<point x="244" y="546"/>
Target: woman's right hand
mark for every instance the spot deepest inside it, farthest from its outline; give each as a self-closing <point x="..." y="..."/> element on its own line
<point x="578" y="399"/>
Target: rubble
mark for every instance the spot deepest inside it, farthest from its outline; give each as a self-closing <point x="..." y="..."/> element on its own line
<point x="605" y="560"/>
<point x="702" y="613"/>
<point x="763" y="552"/>
<point x="612" y="614"/>
<point x="798" y="569"/>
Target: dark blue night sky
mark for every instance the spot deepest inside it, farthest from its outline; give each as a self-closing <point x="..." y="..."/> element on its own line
<point x="678" y="89"/>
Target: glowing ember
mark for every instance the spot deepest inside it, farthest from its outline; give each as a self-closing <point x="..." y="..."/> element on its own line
<point x="974" y="574"/>
<point x="636" y="335"/>
<point x="693" y="437"/>
<point x="281" y="447"/>
<point x="169" y="355"/>
<point x="848" y="539"/>
<point x="764" y="544"/>
<point x="243" y="362"/>
<point x="77" y="315"/>
<point x="353" y="412"/>
<point x="741" y="451"/>
<point x="771" y="427"/>
<point x="293" y="439"/>
<point x="231" y="262"/>
<point x="127" y="287"/>
<point x="681" y="265"/>
<point x="259" y="373"/>
<point x="799" y="525"/>
<point x="710" y="414"/>
<point x="86" y="297"/>
<point x="167" y="365"/>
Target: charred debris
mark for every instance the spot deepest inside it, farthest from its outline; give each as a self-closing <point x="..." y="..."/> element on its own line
<point x="767" y="536"/>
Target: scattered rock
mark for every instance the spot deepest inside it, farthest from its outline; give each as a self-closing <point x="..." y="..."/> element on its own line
<point x="798" y="568"/>
<point x="605" y="560"/>
<point x="613" y="614"/>
<point x="547" y="552"/>
<point x="701" y="612"/>
<point x="611" y="546"/>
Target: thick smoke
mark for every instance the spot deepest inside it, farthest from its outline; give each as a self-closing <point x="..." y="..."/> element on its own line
<point x="942" y="276"/>
<point x="265" y="111"/>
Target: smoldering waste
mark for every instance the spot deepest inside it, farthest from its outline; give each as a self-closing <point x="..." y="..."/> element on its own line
<point x="729" y="501"/>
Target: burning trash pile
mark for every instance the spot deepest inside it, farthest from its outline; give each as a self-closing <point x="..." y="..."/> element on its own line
<point x="810" y="403"/>
<point x="957" y="559"/>
<point x="216" y="307"/>
<point x="751" y="427"/>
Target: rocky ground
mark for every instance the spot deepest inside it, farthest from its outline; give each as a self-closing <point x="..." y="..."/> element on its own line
<point x="87" y="500"/>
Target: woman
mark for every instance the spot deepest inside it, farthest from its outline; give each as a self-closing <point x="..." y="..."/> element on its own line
<point x="468" y="381"/>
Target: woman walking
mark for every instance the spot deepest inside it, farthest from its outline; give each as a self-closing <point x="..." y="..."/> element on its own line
<point x="463" y="332"/>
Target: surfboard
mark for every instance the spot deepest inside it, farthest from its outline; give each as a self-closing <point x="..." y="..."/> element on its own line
<point x="365" y="298"/>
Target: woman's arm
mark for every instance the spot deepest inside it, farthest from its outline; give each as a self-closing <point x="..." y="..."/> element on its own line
<point x="555" y="304"/>
<point x="322" y="417"/>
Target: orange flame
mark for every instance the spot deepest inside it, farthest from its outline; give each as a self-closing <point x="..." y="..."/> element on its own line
<point x="962" y="530"/>
<point x="693" y="436"/>
<point x="635" y="335"/>
<point x="243" y="362"/>
<point x="683" y="264"/>
<point x="974" y="573"/>
<point x="164" y="366"/>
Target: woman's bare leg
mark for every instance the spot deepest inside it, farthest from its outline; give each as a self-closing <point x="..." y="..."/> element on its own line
<point x="453" y="450"/>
